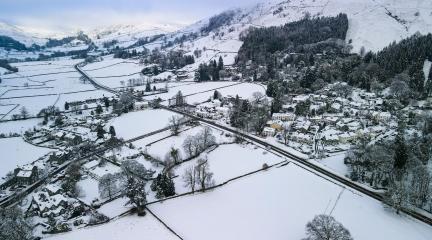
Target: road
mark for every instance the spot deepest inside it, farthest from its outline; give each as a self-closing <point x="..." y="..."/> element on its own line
<point x="301" y="162"/>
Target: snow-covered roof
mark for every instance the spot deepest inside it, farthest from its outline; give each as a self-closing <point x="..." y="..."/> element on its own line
<point x="24" y="173"/>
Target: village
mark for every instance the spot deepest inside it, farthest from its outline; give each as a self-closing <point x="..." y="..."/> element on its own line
<point x="325" y="122"/>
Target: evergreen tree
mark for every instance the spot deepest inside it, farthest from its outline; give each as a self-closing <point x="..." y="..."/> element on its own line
<point x="217" y="95"/>
<point x="416" y="73"/>
<point x="401" y="155"/>
<point x="428" y="87"/>
<point x="220" y="63"/>
<point x="272" y="89"/>
<point x="66" y="106"/>
<point x="112" y="131"/>
<point x="135" y="191"/>
<point x="163" y="185"/>
<point x="276" y="105"/>
<point x="148" y="87"/>
<point x="99" y="109"/>
<point x="100" y="132"/>
<point x="308" y="79"/>
<point x="106" y="102"/>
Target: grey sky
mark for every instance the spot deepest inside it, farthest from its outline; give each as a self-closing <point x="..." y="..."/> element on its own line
<point x="73" y="14"/>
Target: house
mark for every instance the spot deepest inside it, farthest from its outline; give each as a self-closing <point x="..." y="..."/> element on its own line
<point x="382" y="116"/>
<point x="336" y="107"/>
<point x="25" y="175"/>
<point x="52" y="189"/>
<point x="283" y="116"/>
<point x="302" y="138"/>
<point x="269" y="132"/>
<point x="300" y="98"/>
<point x="288" y="107"/>
<point x="346" y="137"/>
<point x="303" y="126"/>
<point x="141" y="105"/>
<point x="275" y="124"/>
<point x="44" y="205"/>
<point x="182" y="77"/>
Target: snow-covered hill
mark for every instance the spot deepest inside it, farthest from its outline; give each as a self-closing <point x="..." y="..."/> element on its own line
<point x="20" y="35"/>
<point x="127" y="35"/>
<point x="373" y="24"/>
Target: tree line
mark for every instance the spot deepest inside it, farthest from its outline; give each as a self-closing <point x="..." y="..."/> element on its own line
<point x="260" y="43"/>
<point x="210" y="71"/>
<point x="400" y="165"/>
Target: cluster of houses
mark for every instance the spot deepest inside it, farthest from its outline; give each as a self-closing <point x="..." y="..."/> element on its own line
<point x="332" y="120"/>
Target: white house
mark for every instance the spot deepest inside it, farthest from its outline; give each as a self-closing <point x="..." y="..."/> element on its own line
<point x="283" y="116"/>
<point x="140" y="105"/>
<point x="269" y="132"/>
<point x="382" y="116"/>
<point x="300" y="98"/>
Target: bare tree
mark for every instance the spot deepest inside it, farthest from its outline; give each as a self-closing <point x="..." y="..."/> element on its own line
<point x="174" y="124"/>
<point x="397" y="196"/>
<point x="342" y="90"/>
<point x="324" y="227"/>
<point x="108" y="185"/>
<point x="24" y="113"/>
<point x="204" y="176"/>
<point x="399" y="87"/>
<point x="420" y="186"/>
<point x="206" y="138"/>
<point x="13" y="225"/>
<point x="175" y="155"/>
<point x="286" y="132"/>
<point x="190" y="178"/>
<point x="189" y="145"/>
<point x="132" y="168"/>
<point x="258" y="97"/>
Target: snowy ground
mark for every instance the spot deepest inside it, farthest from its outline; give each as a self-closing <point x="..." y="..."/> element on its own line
<point x="134" y="124"/>
<point x="127" y="228"/>
<point x="115" y="207"/>
<point x="227" y="162"/>
<point x="16" y="152"/>
<point x="89" y="190"/>
<point x="18" y="126"/>
<point x="161" y="148"/>
<point x="335" y="163"/>
<point x="243" y="90"/>
<point x="41" y="84"/>
<point x="277" y="205"/>
<point x="191" y="89"/>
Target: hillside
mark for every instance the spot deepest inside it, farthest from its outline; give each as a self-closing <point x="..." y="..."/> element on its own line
<point x="373" y="24"/>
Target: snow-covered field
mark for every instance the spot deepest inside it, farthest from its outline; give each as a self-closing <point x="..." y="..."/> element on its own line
<point x="127" y="228"/>
<point x="115" y="208"/>
<point x="277" y="204"/>
<point x="134" y="124"/>
<point x="89" y="190"/>
<point x="18" y="126"/>
<point x="194" y="91"/>
<point x="38" y="85"/>
<point x="16" y="152"/>
<point x="229" y="161"/>
<point x="243" y="90"/>
<point x="335" y="163"/>
<point x="161" y="148"/>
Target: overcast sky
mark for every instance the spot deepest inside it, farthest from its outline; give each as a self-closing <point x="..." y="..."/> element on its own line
<point x="84" y="14"/>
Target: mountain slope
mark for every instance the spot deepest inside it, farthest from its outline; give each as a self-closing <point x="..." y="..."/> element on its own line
<point x="373" y="24"/>
<point x="20" y="35"/>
